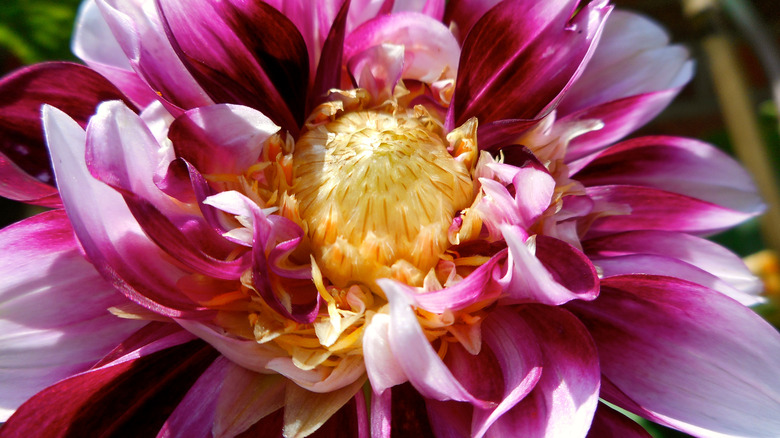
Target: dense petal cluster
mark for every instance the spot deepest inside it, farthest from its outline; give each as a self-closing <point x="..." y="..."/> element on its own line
<point x="365" y="218"/>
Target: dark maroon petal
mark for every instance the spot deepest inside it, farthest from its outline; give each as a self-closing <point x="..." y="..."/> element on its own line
<point x="242" y="52"/>
<point x="18" y="185"/>
<point x="329" y="69"/>
<point x="180" y="246"/>
<point x="73" y="88"/>
<point x="409" y="413"/>
<point x="465" y="13"/>
<point x="609" y="423"/>
<point x="132" y="398"/>
<point x="152" y="337"/>
<point x="498" y="133"/>
<point x="519" y="58"/>
<point x="653" y="209"/>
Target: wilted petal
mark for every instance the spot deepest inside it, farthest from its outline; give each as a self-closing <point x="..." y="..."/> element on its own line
<point x="681" y="352"/>
<point x="306" y="411"/>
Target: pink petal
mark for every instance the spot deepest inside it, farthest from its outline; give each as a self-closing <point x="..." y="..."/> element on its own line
<point x="430" y="49"/>
<point x="24" y="162"/>
<point x="415" y="355"/>
<point x="106" y="229"/>
<point x="701" y="253"/>
<point x="633" y="57"/>
<point x="50" y="328"/>
<point x="381" y="414"/>
<point x="138" y="28"/>
<point x="378" y="69"/>
<point x="383" y="369"/>
<point x="556" y="273"/>
<point x="221" y="139"/>
<point x="565" y="398"/>
<point x="518" y="58"/>
<point x="246" y="53"/>
<point x="95" y="44"/>
<point x="685" y="356"/>
<point x="653" y="209"/>
<point x="680" y="165"/>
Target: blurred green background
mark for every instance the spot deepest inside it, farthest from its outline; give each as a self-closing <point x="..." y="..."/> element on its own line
<point x="38" y="30"/>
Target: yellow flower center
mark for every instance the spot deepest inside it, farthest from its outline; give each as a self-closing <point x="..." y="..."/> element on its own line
<point x="377" y="193"/>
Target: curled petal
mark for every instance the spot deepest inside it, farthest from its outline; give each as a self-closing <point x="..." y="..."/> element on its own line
<point x="382" y="367"/>
<point x="430" y="50"/>
<point x="556" y="273"/>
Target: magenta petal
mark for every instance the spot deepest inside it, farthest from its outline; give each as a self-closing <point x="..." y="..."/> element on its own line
<point x="565" y="398"/>
<point x="679" y="165"/>
<point x="526" y="54"/>
<point x="50" y="329"/>
<point x="74" y="89"/>
<point x="609" y="423"/>
<point x="381" y="414"/>
<point x="134" y="396"/>
<point x="555" y="274"/>
<point x="696" y="251"/>
<point x="414" y="353"/>
<point x="653" y="209"/>
<point x="329" y="68"/>
<point x="194" y="416"/>
<point x="109" y="234"/>
<point x="465" y="13"/>
<point x="221" y="139"/>
<point x="680" y="351"/>
<point x="246" y="53"/>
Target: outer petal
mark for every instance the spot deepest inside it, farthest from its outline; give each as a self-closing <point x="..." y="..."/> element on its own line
<point x="138" y="28"/>
<point x="518" y="58"/>
<point x="242" y="52"/>
<point x="109" y="234"/>
<point x="679" y="165"/>
<point x="564" y="400"/>
<point x="115" y="398"/>
<point x="95" y="44"/>
<point x="609" y="423"/>
<point x="702" y="253"/>
<point x="51" y="328"/>
<point x="245" y="397"/>
<point x="679" y="351"/>
<point x="430" y="50"/>
<point x="25" y="174"/>
<point x="653" y="209"/>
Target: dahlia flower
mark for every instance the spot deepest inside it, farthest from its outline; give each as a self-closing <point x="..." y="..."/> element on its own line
<point x="371" y="218"/>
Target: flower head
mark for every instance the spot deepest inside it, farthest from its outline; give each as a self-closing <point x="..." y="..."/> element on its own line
<point x="352" y="218"/>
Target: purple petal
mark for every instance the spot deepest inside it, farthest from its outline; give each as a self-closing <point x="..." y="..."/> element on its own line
<point x="95" y="44"/>
<point x="701" y="253"/>
<point x="329" y="68"/>
<point x="138" y="28"/>
<point x="465" y="13"/>
<point x="50" y="328"/>
<point x="74" y="89"/>
<point x="633" y="57"/>
<point x="221" y="139"/>
<point x="246" y="53"/>
<point x="653" y="209"/>
<point x="565" y="398"/>
<point x="109" y="234"/>
<point x="608" y="422"/>
<point x="414" y="353"/>
<point x="194" y="416"/>
<point x="430" y="49"/>
<point x="381" y="414"/>
<point x="245" y="397"/>
<point x="620" y="117"/>
<point x="680" y="165"/>
<point x="525" y="54"/>
<point x="520" y="362"/>
<point x="115" y="398"/>
<point x="556" y="273"/>
<point x="476" y="286"/>
<point x="690" y="357"/>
